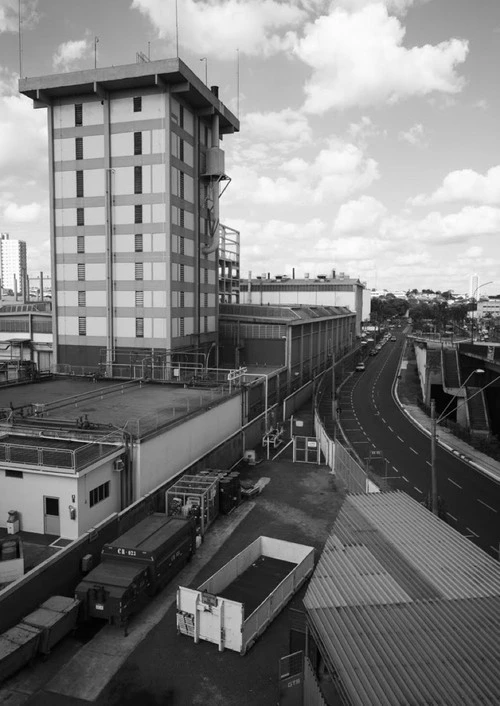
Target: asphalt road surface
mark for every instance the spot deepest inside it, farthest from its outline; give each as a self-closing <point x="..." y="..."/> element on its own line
<point x="373" y="422"/>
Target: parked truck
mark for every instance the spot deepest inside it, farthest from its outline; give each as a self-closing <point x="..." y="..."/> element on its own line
<point x="237" y="603"/>
<point x="135" y="567"/>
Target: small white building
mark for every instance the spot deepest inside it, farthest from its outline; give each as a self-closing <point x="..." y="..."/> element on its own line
<point x="59" y="486"/>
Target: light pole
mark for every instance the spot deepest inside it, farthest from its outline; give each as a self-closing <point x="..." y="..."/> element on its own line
<point x="434" y="423"/>
<point x="472" y="311"/>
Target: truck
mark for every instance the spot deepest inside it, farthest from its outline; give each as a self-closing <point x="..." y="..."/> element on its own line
<point x="134" y="567"/>
<point x="234" y="607"/>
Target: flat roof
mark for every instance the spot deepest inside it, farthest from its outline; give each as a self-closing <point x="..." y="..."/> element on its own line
<point x="286" y="313"/>
<point x="141" y="407"/>
<point x="405" y="608"/>
<point x="169" y="72"/>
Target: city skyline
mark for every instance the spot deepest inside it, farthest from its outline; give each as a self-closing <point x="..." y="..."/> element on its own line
<point x="375" y="161"/>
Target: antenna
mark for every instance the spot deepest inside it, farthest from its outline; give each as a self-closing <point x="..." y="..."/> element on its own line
<point x="149" y="51"/>
<point x="20" y="43"/>
<point x="96" y="41"/>
<point x="238" y="83"/>
<point x="204" y="58"/>
<point x="176" y="29"/>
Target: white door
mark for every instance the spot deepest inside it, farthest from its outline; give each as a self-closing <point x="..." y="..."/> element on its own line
<point x="51" y="519"/>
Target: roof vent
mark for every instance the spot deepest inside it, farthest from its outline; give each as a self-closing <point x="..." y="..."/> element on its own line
<point x="306" y="275"/>
<point x="322" y="277"/>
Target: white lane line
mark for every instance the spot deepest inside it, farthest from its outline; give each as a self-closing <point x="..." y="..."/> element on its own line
<point x="452" y="517"/>
<point x="360" y="442"/>
<point x="415" y="452"/>
<point x="418" y="490"/>
<point x="401" y="439"/>
<point x="394" y="467"/>
<point x="390" y="428"/>
<point x="405" y="478"/>
<point x="486" y="505"/>
<point x="383" y="420"/>
<point x="495" y="549"/>
<point x="452" y="481"/>
<point x="429" y="463"/>
<point x="472" y="531"/>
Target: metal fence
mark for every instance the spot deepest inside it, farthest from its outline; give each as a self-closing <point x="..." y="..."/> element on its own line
<point x="51" y="457"/>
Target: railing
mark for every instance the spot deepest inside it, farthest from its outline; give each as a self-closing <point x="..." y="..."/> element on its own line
<point x="64" y="459"/>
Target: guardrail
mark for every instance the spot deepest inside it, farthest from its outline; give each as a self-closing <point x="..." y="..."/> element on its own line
<point x="51" y="457"/>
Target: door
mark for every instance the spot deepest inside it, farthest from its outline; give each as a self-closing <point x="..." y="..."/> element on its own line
<point x="51" y="519"/>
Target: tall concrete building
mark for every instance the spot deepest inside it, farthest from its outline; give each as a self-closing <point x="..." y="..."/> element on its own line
<point x="136" y="170"/>
<point x="12" y="262"/>
<point x="473" y="285"/>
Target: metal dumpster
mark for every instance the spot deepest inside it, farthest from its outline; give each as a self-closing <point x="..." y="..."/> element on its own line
<point x="18" y="646"/>
<point x="55" y="618"/>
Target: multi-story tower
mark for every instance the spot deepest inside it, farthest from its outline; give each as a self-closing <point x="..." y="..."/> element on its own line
<point x="473" y="285"/>
<point x="135" y="173"/>
<point x="12" y="262"/>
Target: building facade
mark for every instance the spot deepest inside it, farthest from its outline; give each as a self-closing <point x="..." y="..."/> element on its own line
<point x="12" y="263"/>
<point x="135" y="174"/>
<point x="322" y="290"/>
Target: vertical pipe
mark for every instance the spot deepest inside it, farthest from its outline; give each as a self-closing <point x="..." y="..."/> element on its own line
<point x="434" y="492"/>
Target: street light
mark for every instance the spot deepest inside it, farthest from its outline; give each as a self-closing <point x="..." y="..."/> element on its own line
<point x="472" y="312"/>
<point x="434" y="423"/>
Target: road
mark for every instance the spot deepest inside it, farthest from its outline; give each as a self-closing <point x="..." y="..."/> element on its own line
<point x="373" y="421"/>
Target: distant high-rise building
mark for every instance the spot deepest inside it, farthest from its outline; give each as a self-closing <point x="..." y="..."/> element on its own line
<point x="12" y="262"/>
<point x="473" y="285"/>
<point x="135" y="174"/>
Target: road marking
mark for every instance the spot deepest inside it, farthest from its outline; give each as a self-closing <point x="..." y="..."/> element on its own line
<point x="452" y="517"/>
<point x="401" y="439"/>
<point x="390" y="428"/>
<point x="488" y="506"/>
<point x="495" y="549"/>
<point x="415" y="452"/>
<point x="360" y="442"/>
<point x="418" y="490"/>
<point x="429" y="463"/>
<point x="394" y="467"/>
<point x="405" y="478"/>
<point x="383" y="420"/>
<point x="472" y="531"/>
<point x="452" y="481"/>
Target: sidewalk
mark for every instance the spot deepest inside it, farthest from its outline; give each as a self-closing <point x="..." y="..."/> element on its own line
<point x="405" y="394"/>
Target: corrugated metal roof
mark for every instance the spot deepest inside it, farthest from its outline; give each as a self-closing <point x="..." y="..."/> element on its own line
<point x="406" y="609"/>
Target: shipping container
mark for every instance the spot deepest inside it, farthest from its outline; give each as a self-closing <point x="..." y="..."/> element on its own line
<point x="136" y="566"/>
<point x="238" y="602"/>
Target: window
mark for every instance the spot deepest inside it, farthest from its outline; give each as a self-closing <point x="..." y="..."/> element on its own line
<point x="138" y="213"/>
<point x="181" y="150"/>
<point x="78" y="114"/>
<point x="181" y="245"/>
<point x="139" y="328"/>
<point x="137" y="142"/>
<point x="78" y="147"/>
<point x="79" y="184"/>
<point x="181" y="184"/>
<point x="181" y="115"/>
<point x="138" y="242"/>
<point x="80" y="218"/>
<point x="205" y="299"/>
<point x="205" y="275"/>
<point x="82" y="299"/>
<point x="137" y="104"/>
<point x="82" y="325"/>
<point x="137" y="180"/>
<point x="181" y="273"/>
<point x="181" y="299"/>
<point x="205" y="324"/>
<point x="98" y="494"/>
<point x="139" y="299"/>
<point x="181" y="217"/>
<point x="80" y="244"/>
<point x="14" y="474"/>
<point x="139" y="270"/>
<point x="181" y="326"/>
<point x="81" y="272"/>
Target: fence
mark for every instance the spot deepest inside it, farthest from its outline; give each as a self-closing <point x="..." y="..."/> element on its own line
<point x="54" y="458"/>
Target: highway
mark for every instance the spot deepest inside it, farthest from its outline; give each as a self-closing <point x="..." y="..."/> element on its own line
<point x="373" y="421"/>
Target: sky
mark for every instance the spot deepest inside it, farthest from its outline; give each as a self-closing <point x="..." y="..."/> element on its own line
<point x="369" y="141"/>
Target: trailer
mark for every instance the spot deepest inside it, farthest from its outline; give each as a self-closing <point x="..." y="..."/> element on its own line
<point x="238" y="602"/>
<point x="135" y="567"/>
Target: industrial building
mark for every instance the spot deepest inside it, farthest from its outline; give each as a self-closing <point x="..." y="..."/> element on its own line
<point x="135" y="174"/>
<point x="402" y="609"/>
<point x="321" y="290"/>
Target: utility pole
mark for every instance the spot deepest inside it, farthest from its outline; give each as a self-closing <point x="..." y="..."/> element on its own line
<point x="434" y="492"/>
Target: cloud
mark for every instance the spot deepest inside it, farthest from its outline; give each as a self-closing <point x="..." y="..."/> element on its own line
<point x="27" y="213"/>
<point x="281" y="128"/>
<point x="70" y="53"/>
<point x="9" y="15"/>
<point x="414" y="135"/>
<point x="255" y="27"/>
<point x="361" y="215"/>
<point x="465" y="185"/>
<point x="358" y="59"/>
<point x="338" y="170"/>
<point x="399" y="7"/>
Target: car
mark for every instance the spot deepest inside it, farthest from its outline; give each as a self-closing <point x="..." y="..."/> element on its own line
<point x="360" y="367"/>
<point x="373" y="351"/>
<point x="393" y="338"/>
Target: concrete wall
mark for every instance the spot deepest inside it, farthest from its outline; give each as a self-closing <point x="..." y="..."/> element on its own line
<point x="421" y="358"/>
<point x="162" y="456"/>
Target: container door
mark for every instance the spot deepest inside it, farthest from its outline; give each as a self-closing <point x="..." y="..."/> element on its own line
<point x="44" y="360"/>
<point x="51" y="518"/>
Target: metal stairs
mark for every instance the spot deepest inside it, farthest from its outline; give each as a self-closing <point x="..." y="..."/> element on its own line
<point x="478" y="413"/>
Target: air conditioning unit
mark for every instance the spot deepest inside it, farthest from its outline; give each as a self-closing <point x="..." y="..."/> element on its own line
<point x="118" y="465"/>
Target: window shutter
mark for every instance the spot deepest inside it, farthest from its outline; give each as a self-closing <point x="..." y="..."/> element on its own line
<point x="82" y="299"/>
<point x="80" y="244"/>
<point x="80" y="217"/>
<point x="139" y="270"/>
<point x="138" y="242"/>
<point x="78" y="147"/>
<point x="82" y="325"/>
<point x="79" y="183"/>
<point x="137" y="142"/>
<point x="81" y="272"/>
<point x="137" y="180"/>
<point x="137" y="104"/>
<point x="78" y="114"/>
<point x="139" y="328"/>
<point x="139" y="299"/>
<point x="138" y="213"/>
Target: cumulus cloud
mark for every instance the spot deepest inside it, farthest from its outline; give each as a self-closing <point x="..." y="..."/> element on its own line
<point x="285" y="126"/>
<point x="358" y="59"/>
<point x="255" y="27"/>
<point x="414" y="135"/>
<point x="70" y="53"/>
<point x="9" y="15"/>
<point x="465" y="185"/>
<point x="360" y="215"/>
<point x="27" y="213"/>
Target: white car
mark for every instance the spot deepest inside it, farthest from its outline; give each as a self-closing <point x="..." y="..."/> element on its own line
<point x="360" y="367"/>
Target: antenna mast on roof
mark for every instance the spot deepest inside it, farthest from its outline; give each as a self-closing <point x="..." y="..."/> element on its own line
<point x="20" y="43"/>
<point x="238" y="83"/>
<point x="176" y="30"/>
<point x="140" y="57"/>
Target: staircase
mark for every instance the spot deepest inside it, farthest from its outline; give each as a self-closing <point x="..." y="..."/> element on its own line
<point x="326" y="415"/>
<point x="478" y="414"/>
<point x="451" y="373"/>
